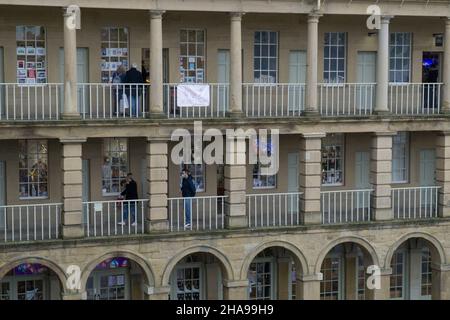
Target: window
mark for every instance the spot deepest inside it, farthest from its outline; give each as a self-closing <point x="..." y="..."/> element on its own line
<point x="30" y="289"/>
<point x="400" y="161"/>
<point x="33" y="169"/>
<point x="362" y="278"/>
<point x="115" y="164"/>
<point x="333" y="159"/>
<point x="198" y="175"/>
<point x="31" y="54"/>
<point x="330" y="284"/>
<point x="426" y="273"/>
<point x="114" y="51"/>
<point x="399" y="56"/>
<point x="397" y="276"/>
<point x="265" y="57"/>
<point x="5" y="291"/>
<point x="188" y="283"/>
<point x="293" y="281"/>
<point x="260" y="279"/>
<point x="261" y="181"/>
<point x="192" y="56"/>
<point x="334" y="61"/>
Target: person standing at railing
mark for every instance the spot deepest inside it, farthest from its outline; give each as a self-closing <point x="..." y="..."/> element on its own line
<point x="135" y="80"/>
<point x="188" y="192"/>
<point x="131" y="195"/>
<point x="119" y="98"/>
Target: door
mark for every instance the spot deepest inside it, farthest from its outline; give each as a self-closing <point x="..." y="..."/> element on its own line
<point x="427" y="174"/>
<point x="366" y="73"/>
<point x="431" y="75"/>
<point x="293" y="184"/>
<point x="362" y="172"/>
<point x="82" y="77"/>
<point x="2" y="194"/>
<point x="85" y="186"/>
<point x="297" y="75"/>
<point x="223" y="77"/>
<point x="109" y="285"/>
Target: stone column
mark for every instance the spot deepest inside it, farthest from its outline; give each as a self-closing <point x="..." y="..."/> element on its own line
<point x="70" y="66"/>
<point x="236" y="64"/>
<point x="381" y="175"/>
<point x="284" y="273"/>
<point x="156" y="64"/>
<point x="71" y="164"/>
<point x="446" y="69"/>
<point x="235" y="290"/>
<point x="72" y="296"/>
<point x="158" y="293"/>
<point x="308" y="286"/>
<point x="381" y="106"/>
<point x="443" y="172"/>
<point x="351" y="282"/>
<point x="385" y="283"/>
<point x="235" y="183"/>
<point x="157" y="177"/>
<point x="440" y="282"/>
<point x="311" y="106"/>
<point x="310" y="177"/>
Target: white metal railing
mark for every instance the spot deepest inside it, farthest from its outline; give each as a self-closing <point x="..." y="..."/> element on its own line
<point x="273" y="99"/>
<point x="415" y="202"/>
<point x="206" y="213"/>
<point x="346" y="99"/>
<point x="30" y="222"/>
<point x="30" y="102"/>
<point x="218" y="102"/>
<point x="414" y="98"/>
<point x="273" y="209"/>
<point x="113" y="100"/>
<point x="106" y="218"/>
<point x="345" y="206"/>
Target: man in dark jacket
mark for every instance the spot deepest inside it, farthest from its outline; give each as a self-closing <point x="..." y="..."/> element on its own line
<point x="134" y="76"/>
<point x="131" y="195"/>
<point x="188" y="191"/>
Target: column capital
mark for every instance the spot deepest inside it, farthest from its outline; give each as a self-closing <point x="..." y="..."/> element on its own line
<point x="72" y="140"/>
<point x="156" y="14"/>
<point x="236" y="16"/>
<point x="314" y="16"/>
<point x="384" y="134"/>
<point x="318" y="135"/>
<point x="310" y="277"/>
<point x="386" y="18"/>
<point x="235" y="283"/>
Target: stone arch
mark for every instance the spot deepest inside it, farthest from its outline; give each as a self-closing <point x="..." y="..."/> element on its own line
<point x="225" y="263"/>
<point x="357" y="240"/>
<point x="297" y="255"/>
<point x="53" y="266"/>
<point x="436" y="246"/>
<point x="139" y="260"/>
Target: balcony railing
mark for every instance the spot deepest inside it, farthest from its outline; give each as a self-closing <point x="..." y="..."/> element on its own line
<point x="30" y="222"/>
<point x="415" y="202"/>
<point x="113" y="101"/>
<point x="30" y="102"/>
<point x="346" y="99"/>
<point x="414" y="98"/>
<point x="273" y="99"/>
<point x="273" y="209"/>
<point x="117" y="217"/>
<point x="206" y="213"/>
<point x="345" y="206"/>
<point x="217" y="108"/>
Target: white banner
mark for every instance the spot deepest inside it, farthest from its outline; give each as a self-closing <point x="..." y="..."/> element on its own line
<point x="193" y="95"/>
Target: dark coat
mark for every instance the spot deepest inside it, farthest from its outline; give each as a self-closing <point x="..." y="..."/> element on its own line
<point x="188" y="187"/>
<point x="130" y="192"/>
<point x="133" y="76"/>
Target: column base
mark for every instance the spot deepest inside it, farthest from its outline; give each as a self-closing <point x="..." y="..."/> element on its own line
<point x="152" y="226"/>
<point x="71" y="116"/>
<point x="236" y="222"/>
<point x="311" y="218"/>
<point x="72" y="232"/>
<point x="157" y="115"/>
<point x="381" y="112"/>
<point x="235" y="114"/>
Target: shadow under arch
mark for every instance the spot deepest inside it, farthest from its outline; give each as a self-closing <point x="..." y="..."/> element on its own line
<point x="225" y="263"/>
<point x="140" y="261"/>
<point x="363" y="243"/>
<point x="298" y="256"/>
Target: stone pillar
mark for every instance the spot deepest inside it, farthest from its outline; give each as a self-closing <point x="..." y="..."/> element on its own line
<point x="381" y="106"/>
<point x="157" y="177"/>
<point x="381" y="175"/>
<point x="351" y="273"/>
<point x="70" y="66"/>
<point x="156" y="64"/>
<point x="235" y="183"/>
<point x="310" y="177"/>
<point x="284" y="274"/>
<point x="236" y="64"/>
<point x="235" y="290"/>
<point x="308" y="286"/>
<point x="443" y="172"/>
<point x="71" y="165"/>
<point x="385" y="283"/>
<point x="440" y="282"/>
<point x="311" y="106"/>
<point x="158" y="293"/>
<point x="446" y="69"/>
<point x="72" y="296"/>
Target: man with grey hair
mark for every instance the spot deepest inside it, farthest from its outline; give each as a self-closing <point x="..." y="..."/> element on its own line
<point x="134" y="76"/>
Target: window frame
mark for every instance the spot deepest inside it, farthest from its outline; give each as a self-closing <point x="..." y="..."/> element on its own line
<point x="404" y="275"/>
<point x="44" y="67"/>
<point x="325" y="143"/>
<point x="174" y="280"/>
<point x="107" y="58"/>
<point x="104" y="152"/>
<point x="327" y="66"/>
<point x="340" y="279"/>
<point x="30" y="197"/>
<point x="258" y="175"/>
<point x="406" y="157"/>
<point x="273" y="273"/>
<point x="400" y="58"/>
<point x="185" y="73"/>
<point x="267" y="71"/>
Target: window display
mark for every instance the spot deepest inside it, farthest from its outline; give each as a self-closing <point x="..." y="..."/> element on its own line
<point x="115" y="164"/>
<point x="260" y="180"/>
<point x="33" y="168"/>
<point x="31" y="54"/>
<point x="192" y="56"/>
<point x="114" y="51"/>
<point x="188" y="283"/>
<point x="333" y="159"/>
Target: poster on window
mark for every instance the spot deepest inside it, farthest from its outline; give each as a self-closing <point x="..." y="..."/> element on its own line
<point x="193" y="95"/>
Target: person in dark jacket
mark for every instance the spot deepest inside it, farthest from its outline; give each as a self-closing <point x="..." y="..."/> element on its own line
<point x="134" y="76"/>
<point x="188" y="192"/>
<point x="130" y="194"/>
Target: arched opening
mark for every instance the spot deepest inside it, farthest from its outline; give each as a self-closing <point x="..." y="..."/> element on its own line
<point x="30" y="281"/>
<point x="197" y="276"/>
<point x="272" y="275"/>
<point x="344" y="273"/>
<point x="412" y="275"/>
<point x="116" y="278"/>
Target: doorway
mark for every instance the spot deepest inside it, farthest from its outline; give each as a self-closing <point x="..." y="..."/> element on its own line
<point x="431" y="75"/>
<point x="366" y="73"/>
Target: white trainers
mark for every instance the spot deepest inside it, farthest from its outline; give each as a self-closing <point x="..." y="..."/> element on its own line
<point x="187" y="225"/>
<point x="121" y="223"/>
<point x="134" y="224"/>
